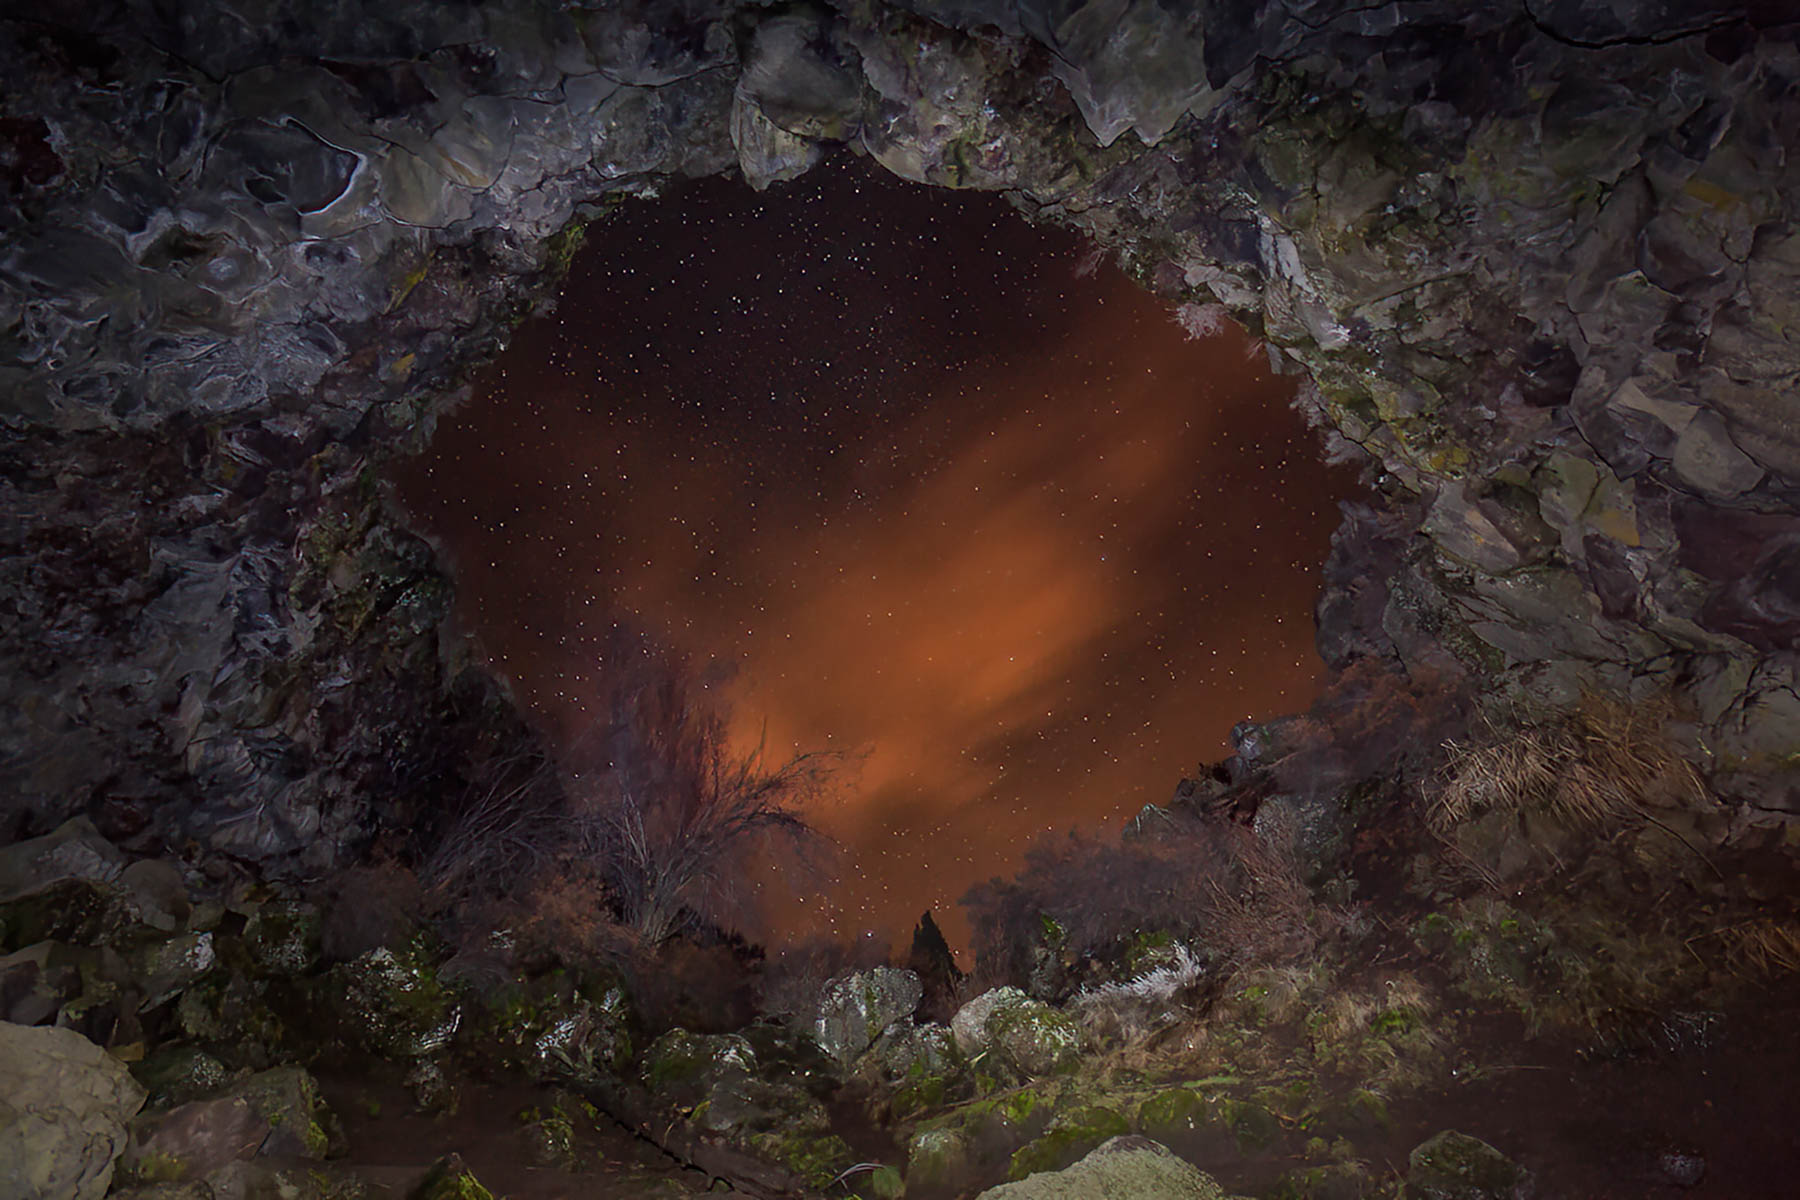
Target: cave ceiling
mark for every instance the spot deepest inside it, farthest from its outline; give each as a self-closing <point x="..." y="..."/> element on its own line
<point x="1538" y="265"/>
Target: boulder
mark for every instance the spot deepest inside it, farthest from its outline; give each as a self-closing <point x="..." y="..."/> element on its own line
<point x="36" y="982"/>
<point x="62" y="1114"/>
<point x="937" y="1160"/>
<point x="1124" y="1168"/>
<point x="680" y="1066"/>
<point x="970" y="1024"/>
<point x="283" y="937"/>
<point x="288" y="1100"/>
<point x="193" y="1141"/>
<point x="1455" y="1166"/>
<point x="394" y="1003"/>
<point x="74" y="850"/>
<point x="856" y="1009"/>
<point x="722" y="1092"/>
<point x="1033" y="1039"/>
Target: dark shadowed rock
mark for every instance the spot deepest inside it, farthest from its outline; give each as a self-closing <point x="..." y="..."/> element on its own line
<point x="1455" y="1166"/>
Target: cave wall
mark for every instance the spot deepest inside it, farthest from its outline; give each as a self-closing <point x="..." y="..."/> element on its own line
<point x="1539" y="263"/>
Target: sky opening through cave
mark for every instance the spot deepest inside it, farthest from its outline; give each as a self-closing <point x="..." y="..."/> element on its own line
<point x="932" y="485"/>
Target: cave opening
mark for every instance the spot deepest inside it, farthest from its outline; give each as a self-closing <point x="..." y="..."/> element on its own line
<point x="906" y="477"/>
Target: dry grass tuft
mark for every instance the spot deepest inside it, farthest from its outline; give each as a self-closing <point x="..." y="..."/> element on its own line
<point x="1603" y="763"/>
<point x="1398" y="1000"/>
<point x="1764" y="946"/>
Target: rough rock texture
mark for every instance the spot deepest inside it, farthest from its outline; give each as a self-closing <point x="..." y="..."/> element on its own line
<point x="857" y="1009"/>
<point x="1026" y="1038"/>
<point x="1125" y="1168"/>
<point x="1538" y="260"/>
<point x="63" y="1114"/>
<point x="1455" y="1166"/>
<point x="970" y="1024"/>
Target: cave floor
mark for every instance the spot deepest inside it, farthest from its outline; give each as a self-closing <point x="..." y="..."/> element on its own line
<point x="1625" y="1125"/>
<point x="391" y="1144"/>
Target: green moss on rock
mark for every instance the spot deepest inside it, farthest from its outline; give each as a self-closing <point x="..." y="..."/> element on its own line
<point x="450" y="1179"/>
<point x="1170" y="1114"/>
<point x="1455" y="1166"/>
<point x="1035" y="1039"/>
<point x="1070" y="1137"/>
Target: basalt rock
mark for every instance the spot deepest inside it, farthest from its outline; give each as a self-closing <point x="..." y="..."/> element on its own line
<point x="62" y="1120"/>
<point x="1537" y="262"/>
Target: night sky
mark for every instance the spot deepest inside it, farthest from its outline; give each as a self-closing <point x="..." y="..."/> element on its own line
<point x="937" y="486"/>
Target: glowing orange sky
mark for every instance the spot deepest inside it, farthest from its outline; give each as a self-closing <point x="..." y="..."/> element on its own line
<point x="1030" y="592"/>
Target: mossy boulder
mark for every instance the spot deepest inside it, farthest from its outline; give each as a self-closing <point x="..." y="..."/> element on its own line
<point x="1190" y="1119"/>
<point x="1173" y="1114"/>
<point x="1124" y="1166"/>
<point x="550" y="1139"/>
<point x="558" y="1027"/>
<point x="680" y="1066"/>
<point x="1033" y="1039"/>
<point x="585" y="1039"/>
<point x="393" y="1003"/>
<point x="288" y="1099"/>
<point x="856" y="1009"/>
<point x="1070" y="1137"/>
<point x="915" y="1068"/>
<point x="717" y="1085"/>
<point x="969" y="1026"/>
<point x="937" y="1159"/>
<point x="79" y="911"/>
<point x="450" y="1179"/>
<point x="230" y="1014"/>
<point x="1455" y="1166"/>
<point x="165" y="968"/>
<point x="908" y="1051"/>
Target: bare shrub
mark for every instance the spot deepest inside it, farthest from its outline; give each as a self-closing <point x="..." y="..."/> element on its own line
<point x="505" y="828"/>
<point x="1208" y="881"/>
<point x="562" y="914"/>
<point x="1603" y="763"/>
<point x="1270" y="914"/>
<point x="640" y="832"/>
<point x="667" y="810"/>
